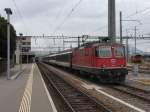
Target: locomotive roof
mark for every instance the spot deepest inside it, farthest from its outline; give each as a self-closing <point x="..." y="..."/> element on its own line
<point x="96" y="43"/>
<point x="61" y="53"/>
<point x="110" y="44"/>
<point x="89" y="44"/>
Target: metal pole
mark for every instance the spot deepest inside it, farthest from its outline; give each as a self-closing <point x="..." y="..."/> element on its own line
<point x="8" y="46"/>
<point x="127" y="50"/>
<point x="8" y="12"/>
<point x="127" y="47"/>
<point x="63" y="43"/>
<point x="120" y="27"/>
<point x="135" y="38"/>
<point x="27" y="58"/>
<point x="21" y="51"/>
<point x="20" y="56"/>
<point x="111" y="20"/>
<point x="78" y="41"/>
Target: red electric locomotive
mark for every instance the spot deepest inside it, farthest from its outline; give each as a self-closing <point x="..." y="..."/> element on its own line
<point x="105" y="61"/>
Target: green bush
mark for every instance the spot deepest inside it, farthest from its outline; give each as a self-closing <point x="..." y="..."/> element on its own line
<point x="3" y="38"/>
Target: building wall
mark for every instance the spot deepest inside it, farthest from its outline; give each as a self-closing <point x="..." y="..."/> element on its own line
<point x="24" y="43"/>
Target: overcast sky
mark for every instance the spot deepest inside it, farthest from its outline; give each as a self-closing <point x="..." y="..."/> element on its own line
<point x="38" y="17"/>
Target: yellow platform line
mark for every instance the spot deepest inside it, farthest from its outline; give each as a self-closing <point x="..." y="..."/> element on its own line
<point x="26" y="99"/>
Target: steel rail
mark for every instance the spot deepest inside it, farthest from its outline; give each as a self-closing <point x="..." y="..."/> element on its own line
<point x="133" y="91"/>
<point x="49" y="82"/>
<point x="76" y="100"/>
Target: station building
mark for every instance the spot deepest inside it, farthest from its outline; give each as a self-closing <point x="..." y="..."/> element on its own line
<point x="23" y="50"/>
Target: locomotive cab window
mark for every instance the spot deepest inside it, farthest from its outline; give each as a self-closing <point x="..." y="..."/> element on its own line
<point x="119" y="51"/>
<point x="103" y="52"/>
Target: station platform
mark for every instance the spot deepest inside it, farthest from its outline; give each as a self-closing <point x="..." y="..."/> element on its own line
<point x="14" y="72"/>
<point x="26" y="93"/>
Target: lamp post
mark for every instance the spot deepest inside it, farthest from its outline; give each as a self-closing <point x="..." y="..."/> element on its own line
<point x="20" y="51"/>
<point x="8" y="12"/>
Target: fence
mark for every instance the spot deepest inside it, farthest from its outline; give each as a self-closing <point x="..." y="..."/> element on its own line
<point x="3" y="65"/>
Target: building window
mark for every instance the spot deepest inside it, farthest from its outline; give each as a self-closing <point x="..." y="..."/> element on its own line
<point x="28" y="43"/>
<point x="23" y="38"/>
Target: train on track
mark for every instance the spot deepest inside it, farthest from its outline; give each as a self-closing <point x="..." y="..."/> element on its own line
<point x="136" y="58"/>
<point x="104" y="61"/>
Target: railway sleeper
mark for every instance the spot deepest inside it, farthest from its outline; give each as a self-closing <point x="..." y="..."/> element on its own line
<point x="135" y="94"/>
<point x="99" y="107"/>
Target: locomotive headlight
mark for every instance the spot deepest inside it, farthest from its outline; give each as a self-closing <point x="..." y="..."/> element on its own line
<point x="122" y="66"/>
<point x="103" y="66"/>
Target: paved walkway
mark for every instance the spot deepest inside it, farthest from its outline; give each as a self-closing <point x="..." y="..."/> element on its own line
<point x="27" y="93"/>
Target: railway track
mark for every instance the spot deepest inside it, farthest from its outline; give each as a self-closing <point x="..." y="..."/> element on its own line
<point x="141" y="70"/>
<point x="136" y="92"/>
<point x="133" y="91"/>
<point x="74" y="100"/>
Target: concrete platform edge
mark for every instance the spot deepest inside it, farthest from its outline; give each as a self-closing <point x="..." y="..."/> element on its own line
<point x="17" y="75"/>
<point x="48" y="95"/>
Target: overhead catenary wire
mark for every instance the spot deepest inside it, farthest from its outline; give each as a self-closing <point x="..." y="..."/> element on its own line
<point x="67" y="16"/>
<point x="100" y="28"/>
<point x="138" y="12"/>
<point x="147" y="42"/>
<point x="20" y="15"/>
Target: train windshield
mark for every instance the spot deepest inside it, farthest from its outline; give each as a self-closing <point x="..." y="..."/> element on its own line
<point x="119" y="51"/>
<point x="103" y="52"/>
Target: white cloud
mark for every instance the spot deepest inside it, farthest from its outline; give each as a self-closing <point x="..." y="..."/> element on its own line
<point x="43" y="16"/>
